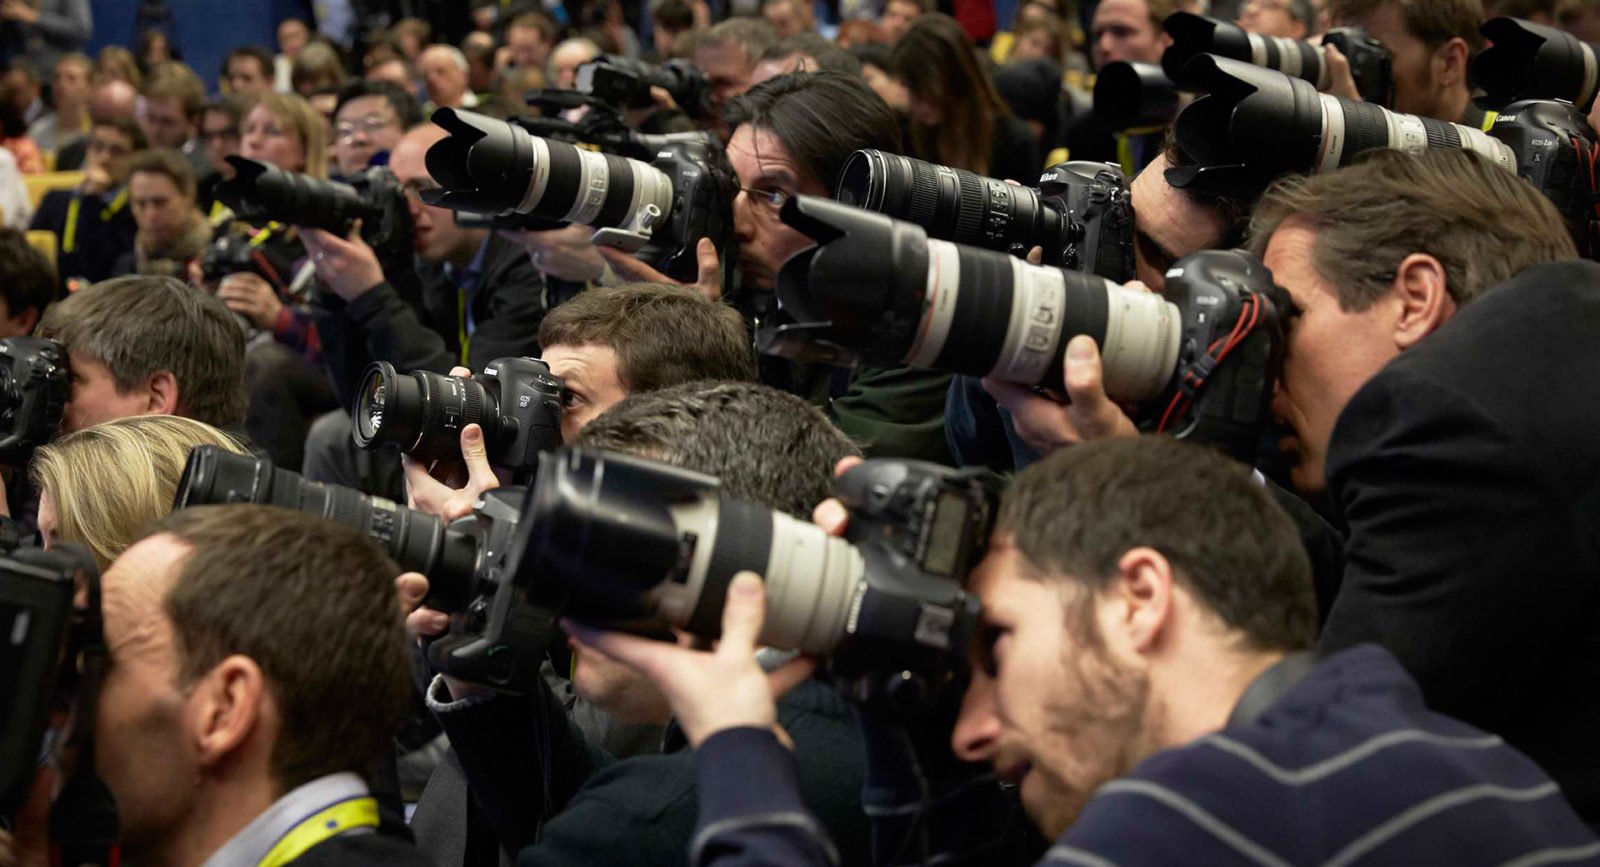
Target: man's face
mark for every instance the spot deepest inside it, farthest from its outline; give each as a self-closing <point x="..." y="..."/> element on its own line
<point x="70" y="84"/>
<point x="617" y="689"/>
<point x="109" y="150"/>
<point x="528" y="47"/>
<point x="245" y="76"/>
<point x="221" y="136"/>
<point x="164" y="123"/>
<point x="160" y="209"/>
<point x="23" y="88"/>
<point x="1417" y="68"/>
<point x="565" y="61"/>
<point x="1270" y="18"/>
<point x="1035" y="45"/>
<point x="1330" y="353"/>
<point x="784" y="18"/>
<point x="392" y="71"/>
<point x="446" y="82"/>
<point x="364" y="127"/>
<point x="1122" y="30"/>
<point x="292" y="36"/>
<point x="727" y="69"/>
<point x="142" y="745"/>
<point x="897" y="18"/>
<point x="763" y="164"/>
<point x="96" y="396"/>
<point x="1062" y="714"/>
<point x="1168" y="225"/>
<point x="590" y="373"/>
<point x="435" y="234"/>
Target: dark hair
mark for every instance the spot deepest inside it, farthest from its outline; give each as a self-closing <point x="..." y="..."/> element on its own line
<point x="937" y="63"/>
<point x="1433" y="22"/>
<point x="234" y="105"/>
<point x="821" y="118"/>
<point x="753" y="35"/>
<point x="404" y="104"/>
<point x="174" y="80"/>
<point x="662" y="335"/>
<point x="1234" y="210"/>
<point x="1074" y="514"/>
<point x="767" y="446"/>
<point x="674" y="15"/>
<point x="874" y="54"/>
<point x="127" y="126"/>
<point x="168" y="162"/>
<point x="825" y="52"/>
<point x="313" y="604"/>
<point x="137" y="326"/>
<point x="534" y="20"/>
<point x="1483" y="223"/>
<point x="26" y="277"/>
<point x="261" y="56"/>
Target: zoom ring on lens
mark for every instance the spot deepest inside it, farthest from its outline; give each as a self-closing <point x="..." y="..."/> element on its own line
<point x="923" y="201"/>
<point x="974" y="206"/>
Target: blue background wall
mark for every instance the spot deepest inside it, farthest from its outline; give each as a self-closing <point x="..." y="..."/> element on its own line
<point x="204" y="30"/>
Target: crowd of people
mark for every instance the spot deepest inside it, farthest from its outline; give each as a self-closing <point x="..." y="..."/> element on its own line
<point x="1377" y="642"/>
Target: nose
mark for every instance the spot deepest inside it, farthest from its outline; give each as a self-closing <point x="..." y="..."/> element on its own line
<point x="744" y="218"/>
<point x="977" y="730"/>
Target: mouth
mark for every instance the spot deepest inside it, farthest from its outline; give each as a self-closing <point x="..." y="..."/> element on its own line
<point x="1011" y="772"/>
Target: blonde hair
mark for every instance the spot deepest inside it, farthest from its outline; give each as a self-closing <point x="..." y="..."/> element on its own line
<point x="305" y="123"/>
<point x="108" y="481"/>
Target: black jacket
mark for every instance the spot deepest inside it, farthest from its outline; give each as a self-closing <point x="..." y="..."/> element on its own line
<point x="1468" y="474"/>
<point x="424" y="333"/>
<point x="105" y="232"/>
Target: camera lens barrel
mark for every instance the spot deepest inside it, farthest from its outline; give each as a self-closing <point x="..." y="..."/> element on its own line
<point x="1527" y="60"/>
<point x="416" y="541"/>
<point x="1193" y="35"/>
<point x="264" y="192"/>
<point x="953" y="204"/>
<point x="422" y="412"/>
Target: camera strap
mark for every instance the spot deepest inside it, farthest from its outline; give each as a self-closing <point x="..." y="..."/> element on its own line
<point x="1270" y="685"/>
<point x="69" y="233"/>
<point x="321" y="826"/>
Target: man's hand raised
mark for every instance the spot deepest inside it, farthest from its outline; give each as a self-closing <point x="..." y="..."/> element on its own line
<point x="631" y="269"/>
<point x="1046" y="424"/>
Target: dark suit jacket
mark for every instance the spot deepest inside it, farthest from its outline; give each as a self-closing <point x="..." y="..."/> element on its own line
<point x="1468" y="474"/>
<point x="100" y="241"/>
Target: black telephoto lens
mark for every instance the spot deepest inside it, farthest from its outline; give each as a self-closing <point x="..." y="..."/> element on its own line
<point x="421" y="412"/>
<point x="258" y="191"/>
<point x="955" y="204"/>
<point x="1129" y="95"/>
<point x="416" y="541"/>
<point x="1194" y="35"/>
<point x="1534" y="61"/>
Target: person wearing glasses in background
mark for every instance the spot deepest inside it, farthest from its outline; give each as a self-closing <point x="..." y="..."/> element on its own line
<point x="1290" y="19"/>
<point x="367" y="123"/>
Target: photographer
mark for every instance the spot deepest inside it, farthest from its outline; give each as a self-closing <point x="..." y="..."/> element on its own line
<point x="1431" y="43"/>
<point x="250" y="686"/>
<point x="792" y="135"/>
<point x="149" y="346"/>
<point x="92" y="224"/>
<point x="172" y="235"/>
<point x="368" y="121"/>
<point x="553" y="796"/>
<point x="727" y="54"/>
<point x="1139" y="674"/>
<point x="1437" y="377"/>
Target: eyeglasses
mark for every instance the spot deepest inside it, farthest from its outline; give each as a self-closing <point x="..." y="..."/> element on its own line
<point x="417" y="186"/>
<point x="770" y="200"/>
<point x="365" y="125"/>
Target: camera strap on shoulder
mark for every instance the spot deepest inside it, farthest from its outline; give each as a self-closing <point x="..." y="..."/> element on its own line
<point x="1270" y="685"/>
<point x="321" y="826"/>
<point x="69" y="233"/>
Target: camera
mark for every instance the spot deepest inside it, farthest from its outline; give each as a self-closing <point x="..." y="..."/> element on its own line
<point x="1534" y="61"/>
<point x="1079" y="214"/>
<point x="260" y="193"/>
<point x="626" y="83"/>
<point x="35" y="382"/>
<point x="1255" y="125"/>
<point x="628" y="543"/>
<point x="1200" y="361"/>
<point x="1130" y="95"/>
<point x="1194" y="35"/>
<point x="652" y="195"/>
<point x="517" y="402"/>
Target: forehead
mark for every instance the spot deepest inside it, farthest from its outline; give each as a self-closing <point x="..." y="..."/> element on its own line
<point x="1122" y="11"/>
<point x="136" y="584"/>
<point x="586" y="360"/>
<point x="1004" y="582"/>
<point x="408" y="160"/>
<point x="754" y="151"/>
<point x="146" y="183"/>
<point x="364" y="105"/>
<point x="1169" y="217"/>
<point x="1288" y="256"/>
<point x="1385" y="23"/>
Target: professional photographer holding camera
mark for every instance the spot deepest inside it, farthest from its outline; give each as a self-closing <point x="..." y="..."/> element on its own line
<point x="1437" y="378"/>
<point x="792" y="135"/>
<point x="249" y="688"/>
<point x="1431" y="44"/>
<point x="550" y="793"/>
<point x="1139" y="673"/>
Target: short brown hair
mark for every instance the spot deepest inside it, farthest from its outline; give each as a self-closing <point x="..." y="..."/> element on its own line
<point x="137" y="326"/>
<point x="173" y="80"/>
<point x="318" y="66"/>
<point x="168" y="162"/>
<point x="535" y="21"/>
<point x="754" y="35"/>
<point x="313" y="603"/>
<point x="1483" y="223"/>
<point x="662" y="335"/>
<point x="1074" y="514"/>
<point x="1434" y="22"/>
<point x="127" y="126"/>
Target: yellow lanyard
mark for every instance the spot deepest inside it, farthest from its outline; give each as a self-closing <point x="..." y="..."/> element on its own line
<point x="461" y="323"/>
<point x="69" y="235"/>
<point x="1125" y="154"/>
<point x="319" y="827"/>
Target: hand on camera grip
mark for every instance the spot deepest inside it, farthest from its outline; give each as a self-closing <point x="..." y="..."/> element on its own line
<point x="631" y="269"/>
<point x="1046" y="425"/>
<point x="448" y="489"/>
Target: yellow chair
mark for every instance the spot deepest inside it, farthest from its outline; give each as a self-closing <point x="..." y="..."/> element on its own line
<point x="44" y="182"/>
<point x="46" y="242"/>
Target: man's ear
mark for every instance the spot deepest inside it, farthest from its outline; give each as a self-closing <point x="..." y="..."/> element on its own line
<point x="1450" y="62"/>
<point x="162" y="393"/>
<point x="1143" y="585"/>
<point x="1424" y="298"/>
<point x="25" y="320"/>
<point x="226" y="707"/>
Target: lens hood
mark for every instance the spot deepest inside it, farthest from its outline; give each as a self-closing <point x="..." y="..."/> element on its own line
<point x="1253" y="125"/>
<point x="1194" y="35"/>
<point x="483" y="166"/>
<point x="1533" y="61"/>
<point x="1128" y="95"/>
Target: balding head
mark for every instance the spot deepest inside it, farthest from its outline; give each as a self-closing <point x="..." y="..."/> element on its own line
<point x="444" y="73"/>
<point x="114" y="99"/>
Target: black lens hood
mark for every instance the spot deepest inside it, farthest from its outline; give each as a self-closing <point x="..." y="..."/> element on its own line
<point x="1128" y="95"/>
<point x="1253" y="125"/>
<point x="484" y="166"/>
<point x="1194" y="35"/>
<point x="1534" y="61"/>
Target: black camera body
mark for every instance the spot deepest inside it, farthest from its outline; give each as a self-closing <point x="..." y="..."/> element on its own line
<point x="1096" y="203"/>
<point x="516" y="401"/>
<point x="1555" y="148"/>
<point x="260" y="193"/>
<point x="1194" y="35"/>
<point x="36" y="614"/>
<point x="233" y="253"/>
<point x="35" y="383"/>
<point x="626" y="83"/>
<point x="1370" y="63"/>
